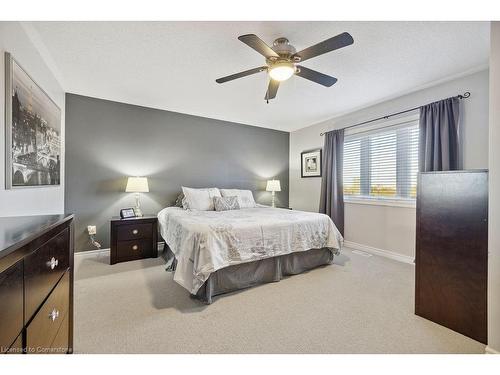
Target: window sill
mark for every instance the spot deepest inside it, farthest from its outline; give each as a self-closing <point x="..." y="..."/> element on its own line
<point x="382" y="202"/>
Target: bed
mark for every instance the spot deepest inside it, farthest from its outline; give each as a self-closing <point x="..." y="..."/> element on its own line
<point x="216" y="252"/>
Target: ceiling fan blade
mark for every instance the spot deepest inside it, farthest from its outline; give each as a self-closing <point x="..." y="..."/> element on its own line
<point x="272" y="89"/>
<point x="253" y="41"/>
<point x="313" y="75"/>
<point x="241" y="74"/>
<point x="339" y="41"/>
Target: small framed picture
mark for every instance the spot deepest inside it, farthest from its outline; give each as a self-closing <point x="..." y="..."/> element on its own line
<point x="311" y="163"/>
<point x="127" y="213"/>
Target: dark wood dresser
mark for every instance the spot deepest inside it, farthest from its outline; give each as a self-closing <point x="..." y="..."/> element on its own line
<point x="452" y="251"/>
<point x="134" y="238"/>
<point x="36" y="284"/>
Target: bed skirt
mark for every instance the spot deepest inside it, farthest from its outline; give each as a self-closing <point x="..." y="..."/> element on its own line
<point x="263" y="271"/>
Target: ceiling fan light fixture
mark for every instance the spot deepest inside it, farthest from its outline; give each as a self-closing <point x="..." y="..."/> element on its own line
<point x="282" y="71"/>
<point x="282" y="57"/>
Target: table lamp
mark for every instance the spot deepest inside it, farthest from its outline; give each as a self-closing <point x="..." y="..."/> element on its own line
<point x="273" y="186"/>
<point x="137" y="185"/>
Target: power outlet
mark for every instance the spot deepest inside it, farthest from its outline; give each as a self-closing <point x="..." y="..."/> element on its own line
<point x="92" y="229"/>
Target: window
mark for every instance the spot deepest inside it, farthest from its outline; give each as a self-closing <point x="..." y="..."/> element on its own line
<point x="382" y="163"/>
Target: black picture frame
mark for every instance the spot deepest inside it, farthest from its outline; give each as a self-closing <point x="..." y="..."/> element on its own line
<point x="319" y="155"/>
<point x="127" y="213"/>
<point x="33" y="143"/>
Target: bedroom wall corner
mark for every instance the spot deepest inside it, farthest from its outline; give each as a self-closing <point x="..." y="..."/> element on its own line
<point x="41" y="200"/>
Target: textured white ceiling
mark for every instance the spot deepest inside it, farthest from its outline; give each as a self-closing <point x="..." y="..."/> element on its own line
<point x="173" y="65"/>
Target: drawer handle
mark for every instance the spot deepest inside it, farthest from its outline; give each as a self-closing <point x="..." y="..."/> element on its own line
<point x="135" y="231"/>
<point x="54" y="315"/>
<point x="53" y="263"/>
<point x="135" y="247"/>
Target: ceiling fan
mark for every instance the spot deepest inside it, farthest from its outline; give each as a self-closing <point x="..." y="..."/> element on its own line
<point x="282" y="60"/>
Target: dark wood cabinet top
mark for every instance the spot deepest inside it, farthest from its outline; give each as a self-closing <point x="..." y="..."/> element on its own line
<point x="17" y="231"/>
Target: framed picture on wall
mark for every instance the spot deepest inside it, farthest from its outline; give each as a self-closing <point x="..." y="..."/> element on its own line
<point x="33" y="131"/>
<point x="311" y="163"/>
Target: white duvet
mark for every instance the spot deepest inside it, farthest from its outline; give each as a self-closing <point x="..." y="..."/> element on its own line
<point x="206" y="241"/>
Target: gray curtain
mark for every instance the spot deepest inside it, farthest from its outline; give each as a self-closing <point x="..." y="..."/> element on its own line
<point x="439" y="136"/>
<point x="332" y="186"/>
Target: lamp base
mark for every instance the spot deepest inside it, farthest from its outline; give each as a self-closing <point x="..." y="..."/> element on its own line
<point x="272" y="202"/>
<point x="137" y="208"/>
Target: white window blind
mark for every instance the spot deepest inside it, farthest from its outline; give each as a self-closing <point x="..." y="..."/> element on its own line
<point x="382" y="163"/>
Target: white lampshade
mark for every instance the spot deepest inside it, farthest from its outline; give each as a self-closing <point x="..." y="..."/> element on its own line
<point x="273" y="185"/>
<point x="137" y="185"/>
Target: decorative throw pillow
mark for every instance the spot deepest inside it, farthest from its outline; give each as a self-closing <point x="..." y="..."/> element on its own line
<point x="245" y="197"/>
<point x="178" y="201"/>
<point x="226" y="203"/>
<point x="199" y="199"/>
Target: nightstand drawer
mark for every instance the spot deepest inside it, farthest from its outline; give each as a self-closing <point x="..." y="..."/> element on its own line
<point x="134" y="238"/>
<point x="134" y="249"/>
<point x="134" y="231"/>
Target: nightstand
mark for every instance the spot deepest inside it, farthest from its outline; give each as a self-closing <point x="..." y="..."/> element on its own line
<point x="134" y="238"/>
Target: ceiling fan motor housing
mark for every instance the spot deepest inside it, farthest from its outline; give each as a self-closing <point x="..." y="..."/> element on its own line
<point x="283" y="47"/>
<point x="285" y="51"/>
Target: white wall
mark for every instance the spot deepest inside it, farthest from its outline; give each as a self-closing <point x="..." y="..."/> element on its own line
<point x="28" y="201"/>
<point x="494" y="192"/>
<point x="384" y="227"/>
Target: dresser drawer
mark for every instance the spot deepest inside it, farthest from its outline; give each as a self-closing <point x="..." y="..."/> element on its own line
<point x="61" y="341"/>
<point x="132" y="250"/>
<point x="134" y="231"/>
<point x="42" y="270"/>
<point x="17" y="346"/>
<point x="11" y="305"/>
<point x="45" y="326"/>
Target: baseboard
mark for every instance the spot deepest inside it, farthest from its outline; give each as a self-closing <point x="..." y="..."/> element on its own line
<point x="384" y="253"/>
<point x="490" y="350"/>
<point x="106" y="251"/>
<point x="92" y="252"/>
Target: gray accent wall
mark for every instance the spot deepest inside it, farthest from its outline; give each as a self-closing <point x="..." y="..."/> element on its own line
<point x="107" y="141"/>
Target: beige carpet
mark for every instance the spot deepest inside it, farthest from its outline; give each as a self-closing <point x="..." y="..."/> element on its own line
<point x="358" y="305"/>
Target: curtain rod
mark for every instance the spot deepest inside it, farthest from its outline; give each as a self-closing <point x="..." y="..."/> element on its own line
<point x="464" y="96"/>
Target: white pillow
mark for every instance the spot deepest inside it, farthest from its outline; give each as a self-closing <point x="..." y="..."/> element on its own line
<point x="199" y="199"/>
<point x="245" y="197"/>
